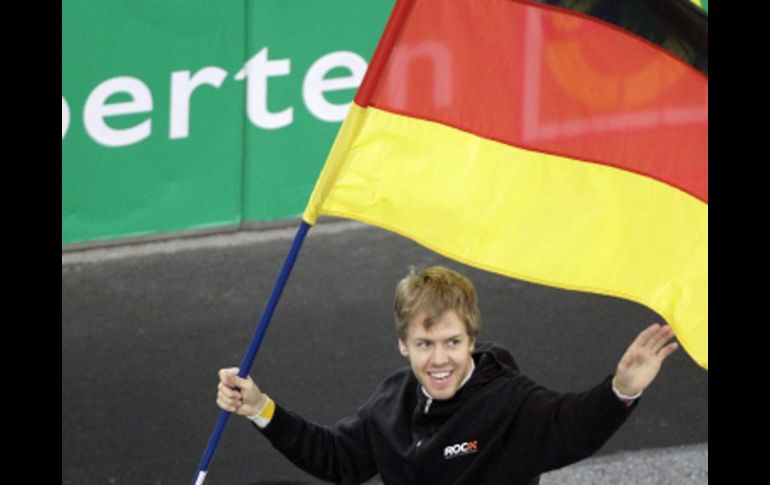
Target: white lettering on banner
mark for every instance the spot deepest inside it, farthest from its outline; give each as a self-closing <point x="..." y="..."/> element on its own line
<point x="65" y="117"/>
<point x="315" y="84"/>
<point x="182" y="87"/>
<point x="256" y="71"/>
<point x="96" y="110"/>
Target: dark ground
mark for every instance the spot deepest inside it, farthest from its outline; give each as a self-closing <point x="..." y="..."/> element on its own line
<point x="143" y="336"/>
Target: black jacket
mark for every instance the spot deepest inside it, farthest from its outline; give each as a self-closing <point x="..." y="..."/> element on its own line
<point x="500" y="427"/>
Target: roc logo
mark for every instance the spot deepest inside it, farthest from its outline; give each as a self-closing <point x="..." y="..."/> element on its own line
<point x="461" y="449"/>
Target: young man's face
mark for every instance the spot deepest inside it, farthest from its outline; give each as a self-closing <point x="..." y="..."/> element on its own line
<point x="440" y="357"/>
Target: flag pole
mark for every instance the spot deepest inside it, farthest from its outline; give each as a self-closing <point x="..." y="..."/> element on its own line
<point x="251" y="353"/>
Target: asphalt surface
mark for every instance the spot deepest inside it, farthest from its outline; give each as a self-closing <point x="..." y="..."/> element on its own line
<point x="146" y="327"/>
<point x="682" y="465"/>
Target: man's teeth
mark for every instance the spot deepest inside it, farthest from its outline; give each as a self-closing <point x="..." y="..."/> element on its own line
<point x="440" y="375"/>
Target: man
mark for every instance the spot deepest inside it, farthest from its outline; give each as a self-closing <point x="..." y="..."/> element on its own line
<point x="463" y="413"/>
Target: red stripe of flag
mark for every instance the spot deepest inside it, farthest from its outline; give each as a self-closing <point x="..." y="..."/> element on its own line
<point x="629" y="104"/>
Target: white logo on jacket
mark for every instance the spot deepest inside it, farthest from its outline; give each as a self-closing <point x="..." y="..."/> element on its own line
<point x="461" y="449"/>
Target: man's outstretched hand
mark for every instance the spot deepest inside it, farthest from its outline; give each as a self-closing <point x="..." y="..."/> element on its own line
<point x="643" y="358"/>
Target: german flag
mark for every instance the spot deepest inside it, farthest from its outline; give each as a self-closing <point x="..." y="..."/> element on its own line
<point x="563" y="143"/>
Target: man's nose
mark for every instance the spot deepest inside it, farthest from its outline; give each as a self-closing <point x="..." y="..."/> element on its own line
<point x="440" y="356"/>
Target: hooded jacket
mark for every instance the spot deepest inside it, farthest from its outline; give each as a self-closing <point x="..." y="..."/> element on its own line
<point x="498" y="428"/>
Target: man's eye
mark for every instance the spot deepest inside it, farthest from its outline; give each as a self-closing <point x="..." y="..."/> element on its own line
<point x="423" y="345"/>
<point x="454" y="342"/>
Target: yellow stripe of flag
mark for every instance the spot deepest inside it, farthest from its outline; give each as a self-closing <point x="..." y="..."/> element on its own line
<point x="550" y="220"/>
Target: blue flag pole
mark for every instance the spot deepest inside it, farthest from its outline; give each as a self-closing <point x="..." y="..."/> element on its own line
<point x="251" y="353"/>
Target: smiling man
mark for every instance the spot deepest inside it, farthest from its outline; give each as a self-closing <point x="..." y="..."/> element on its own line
<point x="441" y="357"/>
<point x="462" y="413"/>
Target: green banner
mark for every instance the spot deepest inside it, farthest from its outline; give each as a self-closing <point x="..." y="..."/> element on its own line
<point x="319" y="54"/>
<point x="193" y="114"/>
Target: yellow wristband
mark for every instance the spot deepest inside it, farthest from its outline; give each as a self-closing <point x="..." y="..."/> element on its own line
<point x="263" y="417"/>
<point x="268" y="410"/>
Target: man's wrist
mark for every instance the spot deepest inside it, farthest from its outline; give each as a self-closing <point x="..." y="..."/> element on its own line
<point x="626" y="398"/>
<point x="265" y="414"/>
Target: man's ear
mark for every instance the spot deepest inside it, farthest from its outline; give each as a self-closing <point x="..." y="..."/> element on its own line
<point x="402" y="348"/>
<point x="473" y="344"/>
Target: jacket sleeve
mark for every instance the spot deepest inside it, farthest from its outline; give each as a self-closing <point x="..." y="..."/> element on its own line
<point x="552" y="430"/>
<point x="340" y="454"/>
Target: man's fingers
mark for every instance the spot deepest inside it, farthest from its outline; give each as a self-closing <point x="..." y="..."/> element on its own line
<point x="227" y="405"/>
<point x="227" y="375"/>
<point x="667" y="350"/>
<point x="228" y="397"/>
<point x="661" y="337"/>
<point x="230" y="378"/>
<point x="227" y="391"/>
<point x="643" y="339"/>
<point x="227" y="372"/>
<point x="241" y="382"/>
<point x="231" y="389"/>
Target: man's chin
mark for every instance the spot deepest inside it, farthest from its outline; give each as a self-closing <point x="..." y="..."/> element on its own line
<point x="441" y="394"/>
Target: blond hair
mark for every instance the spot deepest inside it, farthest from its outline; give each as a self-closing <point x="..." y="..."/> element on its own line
<point x="431" y="293"/>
